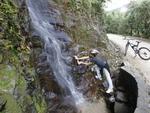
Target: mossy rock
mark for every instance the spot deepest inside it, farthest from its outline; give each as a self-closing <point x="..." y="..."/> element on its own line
<point x="7" y="77"/>
<point x="11" y="104"/>
<point x="36" y="42"/>
<point x="1" y="58"/>
<point x="40" y="104"/>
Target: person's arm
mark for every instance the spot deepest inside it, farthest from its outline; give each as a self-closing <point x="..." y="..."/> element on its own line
<point x="82" y="62"/>
<point x="85" y="63"/>
<point x="81" y="58"/>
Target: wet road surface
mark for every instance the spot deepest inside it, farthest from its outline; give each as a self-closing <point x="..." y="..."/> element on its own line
<point x="140" y="70"/>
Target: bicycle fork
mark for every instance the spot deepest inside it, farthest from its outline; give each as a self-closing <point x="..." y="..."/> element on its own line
<point x="126" y="49"/>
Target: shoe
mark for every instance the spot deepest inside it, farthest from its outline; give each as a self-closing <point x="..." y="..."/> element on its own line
<point x="109" y="91"/>
<point x="112" y="99"/>
<point x="97" y="77"/>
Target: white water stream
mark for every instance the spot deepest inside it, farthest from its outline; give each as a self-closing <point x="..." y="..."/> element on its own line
<point x="41" y="19"/>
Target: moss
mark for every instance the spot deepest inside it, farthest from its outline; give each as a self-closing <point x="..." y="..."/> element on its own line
<point x="11" y="104"/>
<point x="40" y="104"/>
<point x="15" y="66"/>
<point x="21" y="85"/>
<point x="80" y="20"/>
<point x="7" y="77"/>
<point x="9" y="25"/>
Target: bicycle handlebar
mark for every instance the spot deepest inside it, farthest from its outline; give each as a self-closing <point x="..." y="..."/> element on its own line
<point x="138" y="41"/>
<point x="133" y="39"/>
<point x="128" y="39"/>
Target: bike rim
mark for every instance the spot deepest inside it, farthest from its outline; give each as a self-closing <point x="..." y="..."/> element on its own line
<point x="144" y="53"/>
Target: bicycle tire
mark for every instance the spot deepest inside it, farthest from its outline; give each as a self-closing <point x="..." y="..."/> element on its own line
<point x="146" y="53"/>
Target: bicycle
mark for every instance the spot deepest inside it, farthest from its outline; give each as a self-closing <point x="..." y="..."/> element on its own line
<point x="143" y="52"/>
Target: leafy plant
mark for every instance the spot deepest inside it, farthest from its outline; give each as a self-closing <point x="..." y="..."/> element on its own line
<point x="135" y="22"/>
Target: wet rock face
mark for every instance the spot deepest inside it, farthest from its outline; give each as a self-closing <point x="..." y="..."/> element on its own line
<point x="86" y="81"/>
<point x="90" y="86"/>
<point x="126" y="93"/>
<point x="54" y="94"/>
<point x="52" y="91"/>
<point x="50" y="53"/>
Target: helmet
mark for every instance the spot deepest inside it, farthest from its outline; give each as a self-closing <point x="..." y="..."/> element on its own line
<point x="94" y="51"/>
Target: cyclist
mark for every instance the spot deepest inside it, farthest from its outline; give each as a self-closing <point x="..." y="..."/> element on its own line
<point x="101" y="67"/>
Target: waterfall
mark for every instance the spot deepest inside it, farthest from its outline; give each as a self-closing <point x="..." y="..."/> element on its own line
<point x="42" y="19"/>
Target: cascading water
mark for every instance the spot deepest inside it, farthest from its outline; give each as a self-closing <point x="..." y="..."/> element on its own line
<point x="42" y="20"/>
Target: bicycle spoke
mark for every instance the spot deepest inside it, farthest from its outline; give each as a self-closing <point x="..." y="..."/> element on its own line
<point x="144" y="53"/>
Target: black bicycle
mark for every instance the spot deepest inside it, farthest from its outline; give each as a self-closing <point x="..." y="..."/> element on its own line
<point x="143" y="52"/>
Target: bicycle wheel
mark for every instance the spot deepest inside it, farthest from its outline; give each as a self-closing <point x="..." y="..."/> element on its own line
<point x="144" y="53"/>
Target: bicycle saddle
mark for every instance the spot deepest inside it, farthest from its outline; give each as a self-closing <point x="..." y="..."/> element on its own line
<point x="138" y="41"/>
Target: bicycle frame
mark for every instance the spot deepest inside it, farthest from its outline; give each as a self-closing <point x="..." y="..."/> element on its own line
<point x="133" y="46"/>
<point x="143" y="52"/>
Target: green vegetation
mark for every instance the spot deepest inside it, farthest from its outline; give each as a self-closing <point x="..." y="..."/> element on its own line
<point x="114" y="22"/>
<point x="40" y="104"/>
<point x="84" y="21"/>
<point x="12" y="42"/>
<point x="12" y="45"/>
<point x="11" y="104"/>
<point x="135" y="22"/>
<point x="7" y="76"/>
<point x="10" y="30"/>
<point x="15" y="63"/>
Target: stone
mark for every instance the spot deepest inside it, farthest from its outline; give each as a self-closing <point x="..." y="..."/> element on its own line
<point x="36" y="42"/>
<point x="2" y="104"/>
<point x="149" y="106"/>
<point x="1" y="58"/>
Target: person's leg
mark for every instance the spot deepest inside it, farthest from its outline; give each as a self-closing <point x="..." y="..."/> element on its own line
<point x="108" y="78"/>
<point x="98" y="74"/>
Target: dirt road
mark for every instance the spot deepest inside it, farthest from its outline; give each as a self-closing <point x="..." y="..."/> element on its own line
<point x="142" y="65"/>
<point x="141" y="70"/>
